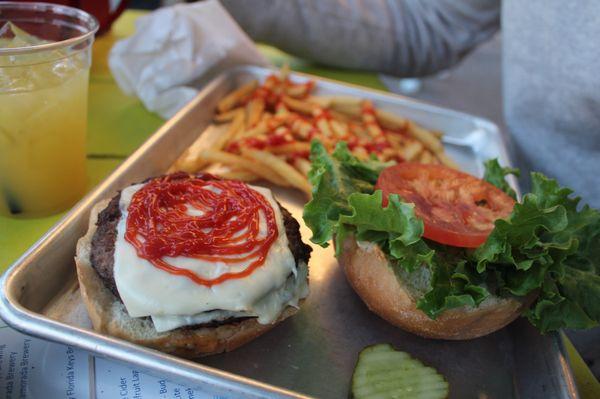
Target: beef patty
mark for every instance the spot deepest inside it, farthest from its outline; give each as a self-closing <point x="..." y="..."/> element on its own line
<point x="103" y="241"/>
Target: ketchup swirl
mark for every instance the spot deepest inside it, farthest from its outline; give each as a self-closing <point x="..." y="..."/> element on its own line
<point x="212" y="220"/>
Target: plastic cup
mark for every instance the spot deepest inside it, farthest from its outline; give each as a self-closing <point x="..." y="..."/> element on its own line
<point x="45" y="58"/>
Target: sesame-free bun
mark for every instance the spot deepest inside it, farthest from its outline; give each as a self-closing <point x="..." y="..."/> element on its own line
<point x="109" y="316"/>
<point x="368" y="271"/>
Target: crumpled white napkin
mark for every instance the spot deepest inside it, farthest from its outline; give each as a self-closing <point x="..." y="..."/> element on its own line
<point x="175" y="46"/>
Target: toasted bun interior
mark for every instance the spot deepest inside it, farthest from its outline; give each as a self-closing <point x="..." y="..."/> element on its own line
<point x="109" y="316"/>
<point x="369" y="273"/>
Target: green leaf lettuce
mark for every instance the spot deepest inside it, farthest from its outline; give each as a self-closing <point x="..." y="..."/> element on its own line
<point x="549" y="246"/>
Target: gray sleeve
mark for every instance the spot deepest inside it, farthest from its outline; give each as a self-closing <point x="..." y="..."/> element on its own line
<point x="398" y="37"/>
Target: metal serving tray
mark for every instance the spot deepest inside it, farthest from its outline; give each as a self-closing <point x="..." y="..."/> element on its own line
<point x="314" y="352"/>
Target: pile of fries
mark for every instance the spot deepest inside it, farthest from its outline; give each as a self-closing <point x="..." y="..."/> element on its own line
<point x="270" y="127"/>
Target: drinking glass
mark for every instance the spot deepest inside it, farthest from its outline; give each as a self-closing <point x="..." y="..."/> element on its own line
<point x="45" y="57"/>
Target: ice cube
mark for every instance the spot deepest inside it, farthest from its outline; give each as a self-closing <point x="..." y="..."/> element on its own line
<point x="12" y="36"/>
<point x="7" y="31"/>
<point x="39" y="69"/>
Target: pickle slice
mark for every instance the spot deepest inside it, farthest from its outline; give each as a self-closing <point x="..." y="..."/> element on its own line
<point x="383" y="372"/>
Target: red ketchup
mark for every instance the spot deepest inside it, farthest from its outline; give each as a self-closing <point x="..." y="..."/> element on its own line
<point x="159" y="224"/>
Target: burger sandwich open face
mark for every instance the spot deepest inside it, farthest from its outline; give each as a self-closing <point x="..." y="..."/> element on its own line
<point x="443" y="254"/>
<point x="191" y="265"/>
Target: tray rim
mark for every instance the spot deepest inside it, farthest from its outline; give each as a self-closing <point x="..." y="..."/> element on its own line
<point x="36" y="324"/>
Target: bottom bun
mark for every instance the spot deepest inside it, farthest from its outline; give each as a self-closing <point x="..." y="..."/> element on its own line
<point x="371" y="276"/>
<point x="109" y="316"/>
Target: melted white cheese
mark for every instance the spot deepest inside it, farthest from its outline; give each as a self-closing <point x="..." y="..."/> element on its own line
<point x="266" y="309"/>
<point x="173" y="301"/>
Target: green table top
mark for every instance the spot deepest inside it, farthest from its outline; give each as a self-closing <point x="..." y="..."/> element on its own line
<point x="118" y="124"/>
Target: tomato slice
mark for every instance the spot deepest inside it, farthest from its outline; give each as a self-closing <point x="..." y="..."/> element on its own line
<point x="456" y="208"/>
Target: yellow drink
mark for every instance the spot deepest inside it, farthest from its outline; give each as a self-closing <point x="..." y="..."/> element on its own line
<point x="43" y="120"/>
<point x="42" y="146"/>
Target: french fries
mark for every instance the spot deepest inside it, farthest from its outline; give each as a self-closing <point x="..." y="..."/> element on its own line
<point x="291" y="148"/>
<point x="240" y="163"/>
<point x="412" y="150"/>
<point x="281" y="167"/>
<point x="428" y="139"/>
<point x="446" y="160"/>
<point x="236" y="174"/>
<point x="304" y="107"/>
<point x="235" y="97"/>
<point x="271" y="126"/>
<point x="236" y="125"/>
<point x="254" y="111"/>
<point x="226" y="116"/>
<point x="303" y="165"/>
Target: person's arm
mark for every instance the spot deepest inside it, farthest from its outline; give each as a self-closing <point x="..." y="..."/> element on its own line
<point x="399" y="37"/>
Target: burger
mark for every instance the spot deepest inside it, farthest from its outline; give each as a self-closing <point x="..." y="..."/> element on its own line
<point x="446" y="255"/>
<point x="191" y="264"/>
